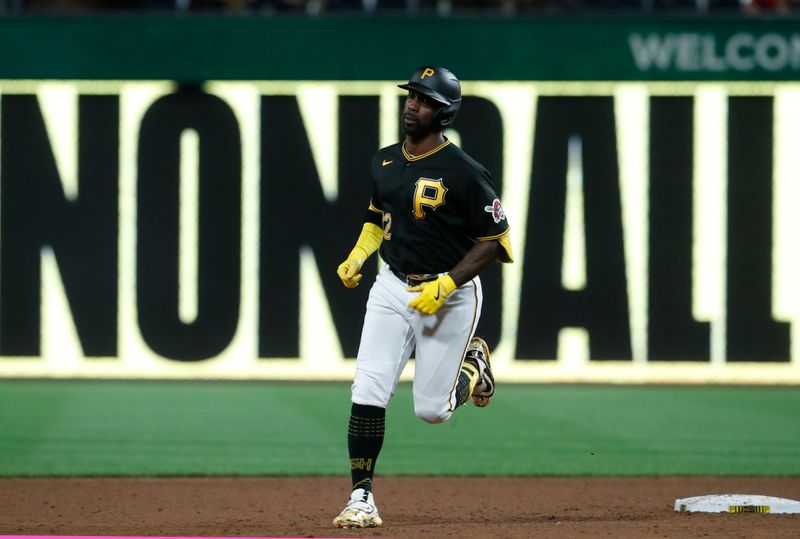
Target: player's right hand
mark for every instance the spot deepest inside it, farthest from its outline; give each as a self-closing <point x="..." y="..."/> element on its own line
<point x="349" y="271"/>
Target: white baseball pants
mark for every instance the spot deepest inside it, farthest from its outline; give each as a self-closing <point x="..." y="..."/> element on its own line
<point x="392" y="331"/>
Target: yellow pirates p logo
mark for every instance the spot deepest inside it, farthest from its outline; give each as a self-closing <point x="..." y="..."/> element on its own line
<point x="428" y="72"/>
<point x="428" y="193"/>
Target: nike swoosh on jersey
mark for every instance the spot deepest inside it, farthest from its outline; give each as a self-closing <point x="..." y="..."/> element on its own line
<point x="387" y="162"/>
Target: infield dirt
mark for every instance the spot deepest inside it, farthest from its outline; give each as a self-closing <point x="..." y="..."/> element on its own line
<point x="410" y="507"/>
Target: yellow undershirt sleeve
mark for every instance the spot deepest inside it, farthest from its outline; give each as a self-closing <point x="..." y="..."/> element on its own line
<point x="505" y="242"/>
<point x="368" y="241"/>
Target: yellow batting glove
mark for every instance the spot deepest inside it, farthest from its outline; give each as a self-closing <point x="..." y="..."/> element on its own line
<point x="368" y="242"/>
<point x="349" y="271"/>
<point x="433" y="294"/>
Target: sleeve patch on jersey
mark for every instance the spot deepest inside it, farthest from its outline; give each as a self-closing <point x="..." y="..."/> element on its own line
<point x="496" y="209"/>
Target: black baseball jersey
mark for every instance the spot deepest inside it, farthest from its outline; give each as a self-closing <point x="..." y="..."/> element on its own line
<point x="432" y="207"/>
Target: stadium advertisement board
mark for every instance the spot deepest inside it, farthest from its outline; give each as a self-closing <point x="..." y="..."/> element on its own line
<point x="149" y="229"/>
<point x="156" y="229"/>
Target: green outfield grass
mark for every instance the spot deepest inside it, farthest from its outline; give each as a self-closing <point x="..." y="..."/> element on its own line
<point x="72" y="428"/>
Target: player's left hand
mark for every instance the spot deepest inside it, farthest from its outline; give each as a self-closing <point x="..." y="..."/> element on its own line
<point x="432" y="294"/>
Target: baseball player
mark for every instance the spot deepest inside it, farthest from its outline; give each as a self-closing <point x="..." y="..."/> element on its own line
<point x="438" y="222"/>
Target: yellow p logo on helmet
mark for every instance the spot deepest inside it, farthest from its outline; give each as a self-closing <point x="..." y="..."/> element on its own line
<point x="427" y="73"/>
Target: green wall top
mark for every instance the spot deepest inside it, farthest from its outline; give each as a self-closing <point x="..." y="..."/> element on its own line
<point x="387" y="48"/>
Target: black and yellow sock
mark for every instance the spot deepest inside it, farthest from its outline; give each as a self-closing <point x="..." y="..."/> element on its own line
<point x="467" y="378"/>
<point x="364" y="441"/>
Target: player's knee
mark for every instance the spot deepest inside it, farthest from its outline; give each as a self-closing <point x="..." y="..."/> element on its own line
<point x="431" y="414"/>
<point x="370" y="389"/>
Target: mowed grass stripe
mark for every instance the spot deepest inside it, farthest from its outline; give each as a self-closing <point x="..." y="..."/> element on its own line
<point x="135" y="428"/>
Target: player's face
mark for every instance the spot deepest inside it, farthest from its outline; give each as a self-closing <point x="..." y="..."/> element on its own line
<point x="417" y="116"/>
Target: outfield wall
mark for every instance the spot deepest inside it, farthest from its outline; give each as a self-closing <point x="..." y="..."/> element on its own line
<point x="150" y="228"/>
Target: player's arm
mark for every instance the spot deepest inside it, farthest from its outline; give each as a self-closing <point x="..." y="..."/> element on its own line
<point x="477" y="259"/>
<point x="503" y="239"/>
<point x="368" y="242"/>
<point x="434" y="293"/>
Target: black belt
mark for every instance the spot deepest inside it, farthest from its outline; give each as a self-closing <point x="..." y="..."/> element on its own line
<point x="413" y="279"/>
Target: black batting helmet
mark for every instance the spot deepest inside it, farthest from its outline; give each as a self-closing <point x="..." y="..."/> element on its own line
<point x="440" y="85"/>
